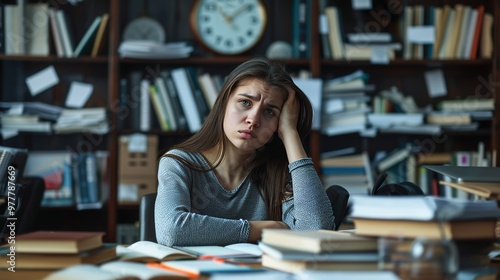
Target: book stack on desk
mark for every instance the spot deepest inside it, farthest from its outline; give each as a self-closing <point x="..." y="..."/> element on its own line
<point x="293" y="251"/>
<point x="469" y="224"/>
<point x="40" y="253"/>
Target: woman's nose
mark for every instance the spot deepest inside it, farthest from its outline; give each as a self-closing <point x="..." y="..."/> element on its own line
<point x="253" y="119"/>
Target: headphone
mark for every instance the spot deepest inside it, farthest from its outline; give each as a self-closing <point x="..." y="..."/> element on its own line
<point x="401" y="188"/>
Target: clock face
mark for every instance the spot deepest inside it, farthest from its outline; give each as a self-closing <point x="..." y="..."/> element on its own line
<point x="228" y="26"/>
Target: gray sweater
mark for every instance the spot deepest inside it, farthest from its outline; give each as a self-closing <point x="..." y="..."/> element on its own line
<point x="212" y="215"/>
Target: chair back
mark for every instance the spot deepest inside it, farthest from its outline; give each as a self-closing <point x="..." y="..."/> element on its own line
<point x="147" y="217"/>
<point x="339" y="198"/>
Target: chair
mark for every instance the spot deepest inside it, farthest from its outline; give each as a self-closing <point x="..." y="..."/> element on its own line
<point x="28" y="199"/>
<point x="338" y="196"/>
<point x="147" y="217"/>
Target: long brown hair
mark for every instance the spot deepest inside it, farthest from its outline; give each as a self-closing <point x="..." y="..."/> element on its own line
<point x="269" y="170"/>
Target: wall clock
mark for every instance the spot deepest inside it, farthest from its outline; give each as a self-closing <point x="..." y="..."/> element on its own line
<point x="228" y="27"/>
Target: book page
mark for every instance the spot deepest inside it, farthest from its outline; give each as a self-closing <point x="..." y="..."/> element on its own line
<point x="233" y="251"/>
<point x="154" y="250"/>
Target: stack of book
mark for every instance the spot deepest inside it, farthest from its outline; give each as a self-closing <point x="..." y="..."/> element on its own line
<point x="470" y="225"/>
<point x="350" y="171"/>
<point x="345" y="102"/>
<point x="39" y="253"/>
<point x="294" y="251"/>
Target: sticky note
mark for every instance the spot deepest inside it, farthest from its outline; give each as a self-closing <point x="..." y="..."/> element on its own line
<point x="42" y="80"/>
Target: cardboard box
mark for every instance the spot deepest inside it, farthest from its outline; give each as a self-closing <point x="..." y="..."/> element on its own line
<point x="132" y="188"/>
<point x="138" y="155"/>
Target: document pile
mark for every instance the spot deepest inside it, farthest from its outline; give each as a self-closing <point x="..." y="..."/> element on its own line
<point x="154" y="50"/>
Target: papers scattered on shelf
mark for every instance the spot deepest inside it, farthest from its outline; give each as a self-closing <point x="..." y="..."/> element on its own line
<point x="154" y="50"/>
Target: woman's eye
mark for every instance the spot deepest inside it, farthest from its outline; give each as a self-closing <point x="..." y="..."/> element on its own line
<point x="245" y="102"/>
<point x="269" y="112"/>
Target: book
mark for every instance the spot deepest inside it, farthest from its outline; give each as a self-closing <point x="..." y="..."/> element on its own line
<point x="147" y="251"/>
<point x="281" y="253"/>
<point x="334" y="32"/>
<point x="486" y="45"/>
<point x="195" y="268"/>
<point x="187" y="99"/>
<point x="319" y="241"/>
<point x="86" y="42"/>
<point x="486" y="190"/>
<point x="58" y="241"/>
<point x="293" y="266"/>
<point x="56" y="33"/>
<point x="98" y="255"/>
<point x="421" y="208"/>
<point x="116" y="270"/>
<point x="477" y="32"/>
<point x="66" y="37"/>
<point x="455" y="229"/>
<point x="100" y="40"/>
<point x="36" y="29"/>
<point x="237" y="250"/>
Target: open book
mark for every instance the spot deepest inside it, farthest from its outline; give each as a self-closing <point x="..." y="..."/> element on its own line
<point x="116" y="270"/>
<point x="237" y="250"/>
<point x="147" y="251"/>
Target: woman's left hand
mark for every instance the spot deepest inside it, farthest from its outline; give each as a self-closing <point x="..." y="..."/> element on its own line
<point x="289" y="115"/>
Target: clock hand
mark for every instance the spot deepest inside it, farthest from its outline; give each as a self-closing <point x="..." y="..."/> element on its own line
<point x="239" y="11"/>
<point x="226" y="17"/>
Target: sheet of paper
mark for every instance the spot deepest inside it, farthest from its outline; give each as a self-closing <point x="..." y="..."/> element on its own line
<point x="436" y="85"/>
<point x="137" y="143"/>
<point x="379" y="55"/>
<point x="78" y="94"/>
<point x="421" y="34"/>
<point x="313" y="88"/>
<point x="42" y="80"/>
<point x="362" y="4"/>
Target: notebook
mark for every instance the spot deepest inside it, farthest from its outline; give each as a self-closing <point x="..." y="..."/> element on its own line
<point x="468" y="173"/>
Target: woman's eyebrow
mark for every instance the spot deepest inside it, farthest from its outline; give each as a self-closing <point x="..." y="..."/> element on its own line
<point x="257" y="98"/>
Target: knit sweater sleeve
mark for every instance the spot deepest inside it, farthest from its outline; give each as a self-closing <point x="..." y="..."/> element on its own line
<point x="177" y="224"/>
<point x="309" y="208"/>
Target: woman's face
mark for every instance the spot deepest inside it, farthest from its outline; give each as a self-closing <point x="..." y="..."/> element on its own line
<point x="252" y="114"/>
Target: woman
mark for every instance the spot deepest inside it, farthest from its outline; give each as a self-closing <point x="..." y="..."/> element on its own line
<point x="246" y="169"/>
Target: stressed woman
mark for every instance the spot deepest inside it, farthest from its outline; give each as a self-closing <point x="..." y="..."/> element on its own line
<point x="246" y="169"/>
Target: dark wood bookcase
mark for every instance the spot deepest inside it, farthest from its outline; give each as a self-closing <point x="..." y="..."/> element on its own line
<point x="106" y="70"/>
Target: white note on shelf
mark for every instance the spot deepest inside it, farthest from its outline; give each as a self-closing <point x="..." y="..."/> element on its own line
<point x="435" y="82"/>
<point x="79" y="93"/>
<point x="313" y="88"/>
<point x="422" y="34"/>
<point x="362" y="4"/>
<point x="42" y="80"/>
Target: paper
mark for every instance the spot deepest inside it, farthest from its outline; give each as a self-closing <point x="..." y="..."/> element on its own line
<point x="379" y="55"/>
<point x="361" y="4"/>
<point x="421" y="34"/>
<point x="435" y="82"/>
<point x="78" y="94"/>
<point x="137" y="143"/>
<point x="313" y="88"/>
<point x="15" y="110"/>
<point x="42" y="80"/>
<point x="128" y="192"/>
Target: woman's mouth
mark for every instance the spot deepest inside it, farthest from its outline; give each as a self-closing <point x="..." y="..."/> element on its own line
<point x="247" y="134"/>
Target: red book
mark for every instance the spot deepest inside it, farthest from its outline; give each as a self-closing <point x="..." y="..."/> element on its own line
<point x="477" y="32"/>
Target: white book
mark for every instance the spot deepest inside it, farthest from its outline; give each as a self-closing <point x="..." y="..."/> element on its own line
<point x="14" y="31"/>
<point x="67" y="41"/>
<point x="56" y="33"/>
<point x="421" y="208"/>
<point x="465" y="26"/>
<point x="145" y="112"/>
<point x="186" y="98"/>
<point x="470" y="34"/>
<point x="36" y="25"/>
<point x="209" y="89"/>
<point x="334" y="33"/>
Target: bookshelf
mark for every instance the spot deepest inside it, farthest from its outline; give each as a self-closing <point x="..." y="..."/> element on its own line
<point x="106" y="70"/>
